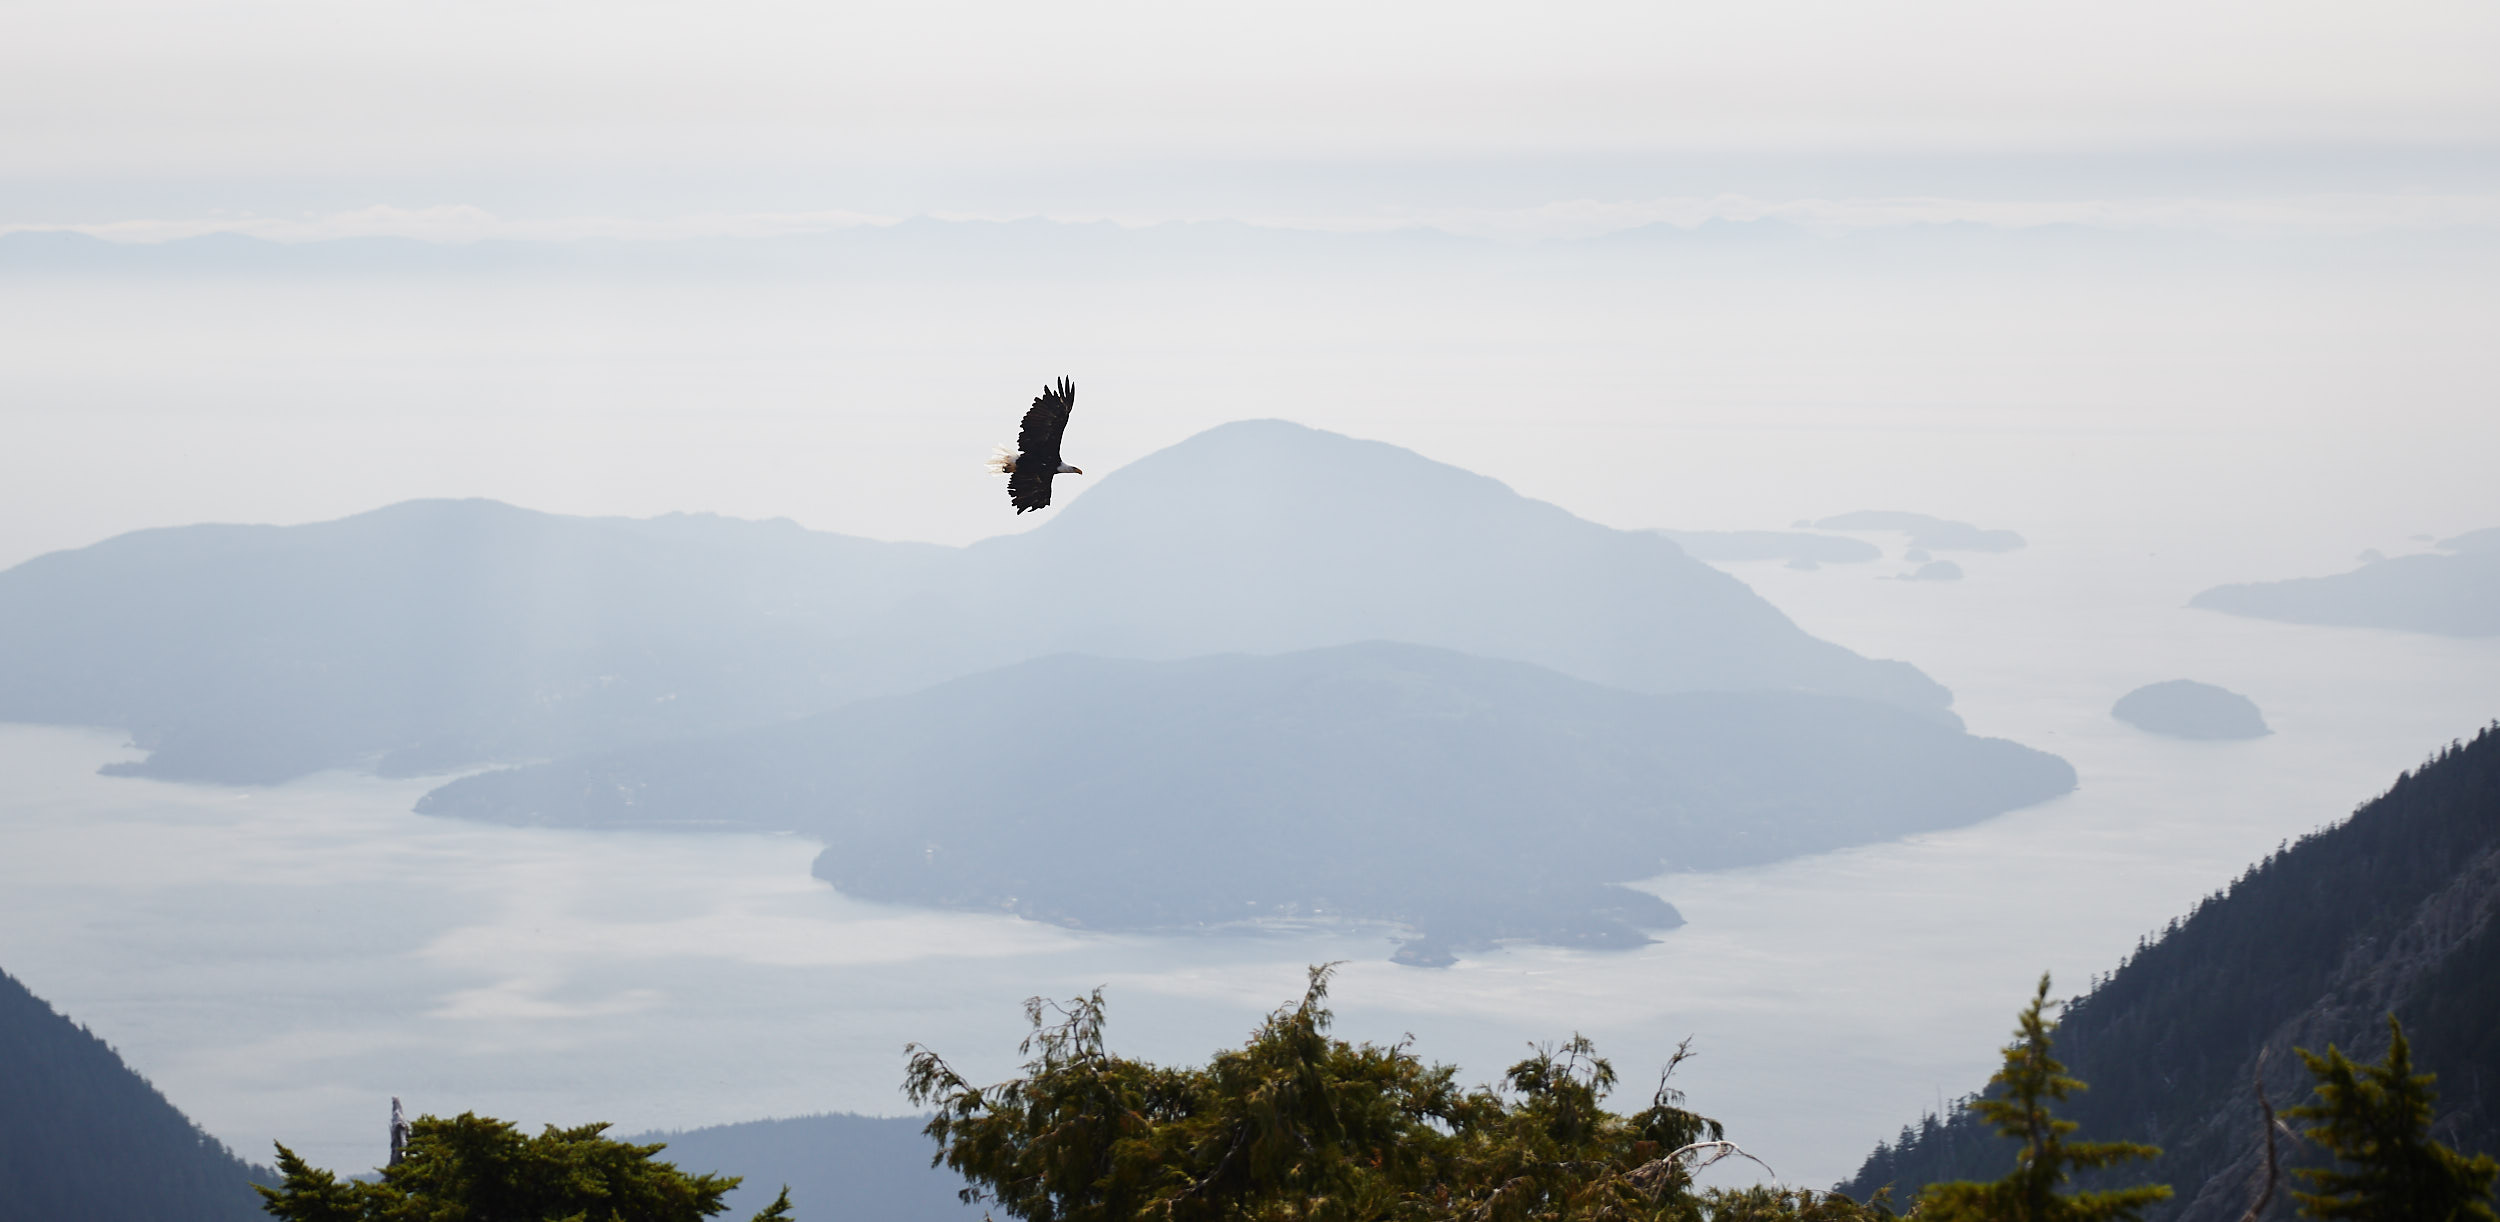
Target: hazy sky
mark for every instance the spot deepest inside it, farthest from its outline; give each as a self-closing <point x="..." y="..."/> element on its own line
<point x="114" y="110"/>
<point x="2246" y="378"/>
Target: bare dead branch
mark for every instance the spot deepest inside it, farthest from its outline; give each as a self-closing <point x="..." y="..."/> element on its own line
<point x="1656" y="1175"/>
<point x="2265" y="1191"/>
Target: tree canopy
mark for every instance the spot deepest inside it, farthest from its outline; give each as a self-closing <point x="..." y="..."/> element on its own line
<point x="2377" y="1119"/>
<point x="2030" y="1081"/>
<point x="1299" y="1126"/>
<point x="471" y="1168"/>
<point x="2169" y="1041"/>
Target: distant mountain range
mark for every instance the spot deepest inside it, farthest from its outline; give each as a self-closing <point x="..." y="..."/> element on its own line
<point x="1804" y="549"/>
<point x="1925" y="531"/>
<point x="838" y="1167"/>
<point x="83" y="1136"/>
<point x="2396" y="909"/>
<point x="2455" y="594"/>
<point x="1465" y="798"/>
<point x="440" y="635"/>
<point x="923" y="248"/>
<point x="918" y="248"/>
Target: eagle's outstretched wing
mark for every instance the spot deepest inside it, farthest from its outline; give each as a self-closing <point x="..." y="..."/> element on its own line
<point x="1037" y="444"/>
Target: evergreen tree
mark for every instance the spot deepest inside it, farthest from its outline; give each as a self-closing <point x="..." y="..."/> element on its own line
<point x="1293" y="1123"/>
<point x="1297" y="1126"/>
<point x="472" y="1167"/>
<point x="2378" y="1117"/>
<point x="2167" y="1041"/>
<point x="2030" y="1081"/>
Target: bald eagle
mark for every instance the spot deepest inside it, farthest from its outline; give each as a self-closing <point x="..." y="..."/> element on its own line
<point x="1029" y="466"/>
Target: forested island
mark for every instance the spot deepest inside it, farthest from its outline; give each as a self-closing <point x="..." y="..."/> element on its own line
<point x="1462" y="800"/>
<point x="2184" y="708"/>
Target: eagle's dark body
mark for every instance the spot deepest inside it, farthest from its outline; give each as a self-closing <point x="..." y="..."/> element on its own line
<point x="1036" y="459"/>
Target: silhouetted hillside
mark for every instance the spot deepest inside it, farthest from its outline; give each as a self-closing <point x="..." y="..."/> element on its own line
<point x="436" y="635"/>
<point x="84" y="1137"/>
<point x="2392" y="910"/>
<point x="1471" y="799"/>
<point x="839" y="1167"/>
<point x="2457" y="594"/>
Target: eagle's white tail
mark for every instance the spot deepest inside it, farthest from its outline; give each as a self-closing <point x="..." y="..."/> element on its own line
<point x="1002" y="460"/>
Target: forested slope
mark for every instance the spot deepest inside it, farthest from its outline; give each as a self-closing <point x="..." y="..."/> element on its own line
<point x="2392" y="910"/>
<point x="83" y="1136"/>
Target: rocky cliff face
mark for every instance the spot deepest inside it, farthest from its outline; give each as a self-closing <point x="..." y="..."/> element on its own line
<point x="2397" y="910"/>
<point x="2377" y="977"/>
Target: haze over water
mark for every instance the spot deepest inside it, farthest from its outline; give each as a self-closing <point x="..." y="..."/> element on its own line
<point x="280" y="961"/>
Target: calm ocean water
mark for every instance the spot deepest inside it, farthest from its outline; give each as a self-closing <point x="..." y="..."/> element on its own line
<point x="282" y="961"/>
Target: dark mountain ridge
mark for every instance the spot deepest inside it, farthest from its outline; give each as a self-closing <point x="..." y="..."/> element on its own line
<point x="2396" y="909"/>
<point x="1464" y="798"/>
<point x="83" y="1136"/>
<point x="437" y="635"/>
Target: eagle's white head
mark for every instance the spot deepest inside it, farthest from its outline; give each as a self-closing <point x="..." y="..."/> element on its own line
<point x="1003" y="461"/>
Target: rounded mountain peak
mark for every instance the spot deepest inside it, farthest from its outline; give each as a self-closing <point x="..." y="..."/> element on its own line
<point x="1276" y="470"/>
